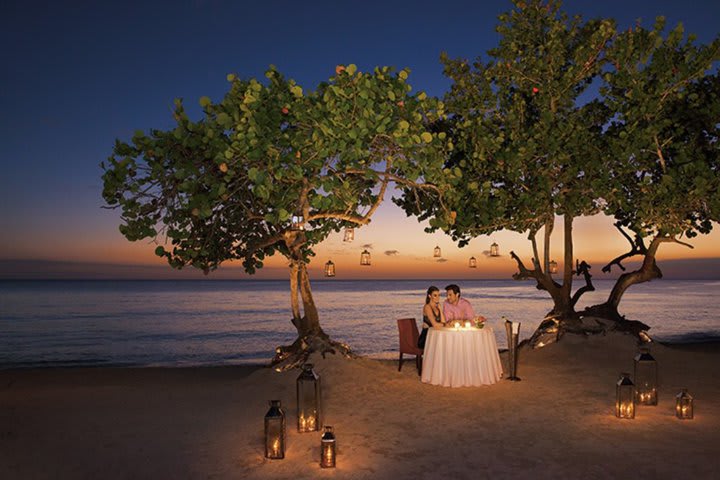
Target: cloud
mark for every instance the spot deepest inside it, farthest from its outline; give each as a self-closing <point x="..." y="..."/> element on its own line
<point x="390" y="253"/>
<point x="442" y="260"/>
<point x="368" y="246"/>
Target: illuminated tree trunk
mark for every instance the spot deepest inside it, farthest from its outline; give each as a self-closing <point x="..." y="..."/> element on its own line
<point x="311" y="337"/>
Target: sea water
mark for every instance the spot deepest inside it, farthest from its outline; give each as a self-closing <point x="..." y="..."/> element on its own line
<point x="221" y="322"/>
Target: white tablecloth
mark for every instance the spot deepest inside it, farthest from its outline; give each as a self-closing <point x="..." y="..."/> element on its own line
<point x="461" y="358"/>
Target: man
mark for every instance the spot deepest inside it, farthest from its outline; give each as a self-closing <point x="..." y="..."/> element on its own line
<point x="456" y="308"/>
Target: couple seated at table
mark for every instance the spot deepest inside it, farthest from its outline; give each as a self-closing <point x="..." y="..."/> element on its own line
<point x="454" y="309"/>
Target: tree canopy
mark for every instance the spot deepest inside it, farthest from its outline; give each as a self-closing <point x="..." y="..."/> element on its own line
<point x="228" y="186"/>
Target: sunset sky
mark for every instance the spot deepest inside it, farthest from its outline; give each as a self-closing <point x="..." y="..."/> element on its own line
<point x="78" y="75"/>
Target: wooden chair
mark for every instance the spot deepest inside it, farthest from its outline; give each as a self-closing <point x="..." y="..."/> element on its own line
<point x="408" y="332"/>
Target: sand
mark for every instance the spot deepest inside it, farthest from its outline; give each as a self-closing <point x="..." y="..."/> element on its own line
<point x="558" y="422"/>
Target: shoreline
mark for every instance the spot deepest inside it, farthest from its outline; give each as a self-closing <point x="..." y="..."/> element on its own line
<point x="206" y="422"/>
<point x="710" y="346"/>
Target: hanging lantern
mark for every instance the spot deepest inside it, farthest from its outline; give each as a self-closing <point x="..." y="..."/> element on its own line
<point x="328" y="448"/>
<point x="329" y="269"/>
<point x="349" y="235"/>
<point x="308" y="400"/>
<point x="365" y="258"/>
<point x="684" y="405"/>
<point x="494" y="250"/>
<point x="645" y="378"/>
<point x="553" y="266"/>
<point x="472" y="263"/>
<point x="275" y="431"/>
<point x="297" y="222"/>
<point x="437" y="252"/>
<point x="625" y="397"/>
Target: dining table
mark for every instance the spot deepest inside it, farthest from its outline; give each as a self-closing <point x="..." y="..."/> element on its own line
<point x="461" y="357"/>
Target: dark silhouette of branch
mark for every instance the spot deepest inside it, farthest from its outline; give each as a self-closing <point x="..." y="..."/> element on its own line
<point x="637" y="248"/>
<point x="583" y="268"/>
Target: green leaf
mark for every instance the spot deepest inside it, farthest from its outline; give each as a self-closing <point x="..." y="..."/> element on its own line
<point x="297" y="91"/>
<point x="426" y="137"/>
<point x="205" y="101"/>
<point x="351" y="69"/>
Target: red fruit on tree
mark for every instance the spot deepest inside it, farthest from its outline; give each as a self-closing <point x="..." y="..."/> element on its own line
<point x="535" y="90"/>
<point x="285" y="110"/>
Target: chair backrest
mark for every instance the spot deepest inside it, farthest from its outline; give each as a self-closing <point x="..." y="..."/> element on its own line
<point x="408" y="331"/>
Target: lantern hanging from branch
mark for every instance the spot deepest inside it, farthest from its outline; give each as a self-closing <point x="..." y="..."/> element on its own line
<point x="349" y="234"/>
<point x="275" y="431"/>
<point x="297" y="222"/>
<point x="684" y="405"/>
<point x="328" y="448"/>
<point x="329" y="269"/>
<point x="308" y="400"/>
<point x="645" y="378"/>
<point x="437" y="252"/>
<point x="365" y="258"/>
<point x="472" y="263"/>
<point x="625" y="397"/>
<point x="553" y="266"/>
<point x="494" y="250"/>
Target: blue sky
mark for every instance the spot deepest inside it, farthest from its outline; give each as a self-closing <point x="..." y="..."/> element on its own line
<point x="77" y="75"/>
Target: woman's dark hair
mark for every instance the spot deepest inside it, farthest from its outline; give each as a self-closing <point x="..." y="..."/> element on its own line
<point x="430" y="290"/>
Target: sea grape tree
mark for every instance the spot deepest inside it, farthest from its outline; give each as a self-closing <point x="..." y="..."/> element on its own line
<point x="226" y="187"/>
<point x="663" y="140"/>
<point x="527" y="148"/>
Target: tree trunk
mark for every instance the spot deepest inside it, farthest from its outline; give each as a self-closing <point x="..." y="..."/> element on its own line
<point x="311" y="337"/>
<point x="609" y="309"/>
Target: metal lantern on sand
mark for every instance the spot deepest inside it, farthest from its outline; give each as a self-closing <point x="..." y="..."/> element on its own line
<point x="328" y="448"/>
<point x="275" y="431"/>
<point x="309" y="399"/>
<point x="646" y="378"/>
<point x="684" y="405"/>
<point x="625" y="397"/>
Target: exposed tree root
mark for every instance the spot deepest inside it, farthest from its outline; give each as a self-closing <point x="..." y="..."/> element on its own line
<point x="294" y="356"/>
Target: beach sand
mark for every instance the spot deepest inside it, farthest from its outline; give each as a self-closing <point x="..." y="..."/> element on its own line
<point x="558" y="422"/>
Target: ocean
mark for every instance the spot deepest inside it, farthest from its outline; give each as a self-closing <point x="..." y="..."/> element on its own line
<point x="225" y="322"/>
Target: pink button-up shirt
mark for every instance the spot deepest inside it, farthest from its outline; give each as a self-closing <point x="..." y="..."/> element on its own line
<point x="461" y="311"/>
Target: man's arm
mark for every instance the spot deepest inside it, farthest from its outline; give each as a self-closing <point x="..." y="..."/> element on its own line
<point x="467" y="310"/>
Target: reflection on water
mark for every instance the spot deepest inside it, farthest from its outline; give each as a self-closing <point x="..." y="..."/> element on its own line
<point x="223" y="322"/>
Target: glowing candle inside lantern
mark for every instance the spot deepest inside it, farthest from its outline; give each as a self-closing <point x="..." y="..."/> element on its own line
<point x="456" y="325"/>
<point x="276" y="448"/>
<point x="327" y="446"/>
<point x="468" y="324"/>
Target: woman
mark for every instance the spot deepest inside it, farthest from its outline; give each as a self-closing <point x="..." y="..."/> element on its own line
<point x="432" y="314"/>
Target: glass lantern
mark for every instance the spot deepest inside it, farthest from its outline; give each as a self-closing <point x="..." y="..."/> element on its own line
<point x="684" y="405"/>
<point x="625" y="397"/>
<point x="308" y="400"/>
<point x="437" y="252"/>
<point x="553" y="266"/>
<point x="297" y="222"/>
<point x="329" y="269"/>
<point x="328" y="448"/>
<point x="275" y="431"/>
<point x="349" y="235"/>
<point x="494" y="250"/>
<point x="645" y="378"/>
<point x="365" y="258"/>
<point x="472" y="263"/>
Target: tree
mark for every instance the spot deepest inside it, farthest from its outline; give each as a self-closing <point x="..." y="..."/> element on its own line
<point x="664" y="144"/>
<point x="227" y="187"/>
<point x="526" y="148"/>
